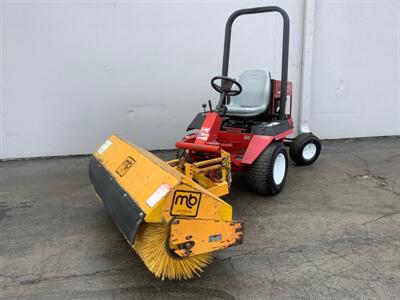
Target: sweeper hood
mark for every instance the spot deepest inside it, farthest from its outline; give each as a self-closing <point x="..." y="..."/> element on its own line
<point x="138" y="189"/>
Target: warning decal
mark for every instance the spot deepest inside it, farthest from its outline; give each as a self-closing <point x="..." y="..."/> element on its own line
<point x="125" y="166"/>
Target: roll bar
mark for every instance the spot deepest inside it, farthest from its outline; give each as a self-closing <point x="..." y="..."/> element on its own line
<point x="285" y="46"/>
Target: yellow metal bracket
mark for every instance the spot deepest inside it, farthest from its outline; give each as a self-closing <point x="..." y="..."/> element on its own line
<point x="190" y="237"/>
<point x="200" y="172"/>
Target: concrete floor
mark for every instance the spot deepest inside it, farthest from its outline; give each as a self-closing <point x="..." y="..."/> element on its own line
<point x="334" y="232"/>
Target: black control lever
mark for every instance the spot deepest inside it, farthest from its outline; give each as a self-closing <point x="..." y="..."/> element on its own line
<point x="204" y="107"/>
<point x="224" y="111"/>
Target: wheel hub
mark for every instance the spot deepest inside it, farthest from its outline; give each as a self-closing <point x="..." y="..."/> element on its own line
<point x="309" y="151"/>
<point x="279" y="169"/>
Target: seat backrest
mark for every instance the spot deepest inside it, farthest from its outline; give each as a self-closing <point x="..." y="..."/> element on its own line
<point x="255" y="96"/>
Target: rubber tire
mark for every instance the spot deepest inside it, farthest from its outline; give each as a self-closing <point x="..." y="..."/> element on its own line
<point x="297" y="146"/>
<point x="260" y="173"/>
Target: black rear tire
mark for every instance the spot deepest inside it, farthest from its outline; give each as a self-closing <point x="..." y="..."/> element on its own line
<point x="261" y="172"/>
<point x="305" y="149"/>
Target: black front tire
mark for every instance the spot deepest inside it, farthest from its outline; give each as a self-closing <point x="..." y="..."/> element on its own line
<point x="261" y="172"/>
<point x="305" y="149"/>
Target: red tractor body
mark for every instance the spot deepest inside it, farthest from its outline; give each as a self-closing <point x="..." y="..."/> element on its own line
<point x="251" y="121"/>
<point x="243" y="146"/>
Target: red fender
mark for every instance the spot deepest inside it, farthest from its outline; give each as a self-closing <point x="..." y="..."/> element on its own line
<point x="259" y="142"/>
<point x="256" y="146"/>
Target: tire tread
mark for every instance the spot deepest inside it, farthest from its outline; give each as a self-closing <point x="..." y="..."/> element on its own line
<point x="260" y="173"/>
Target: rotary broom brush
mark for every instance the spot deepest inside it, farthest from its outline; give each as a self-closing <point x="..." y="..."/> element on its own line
<point x="151" y="246"/>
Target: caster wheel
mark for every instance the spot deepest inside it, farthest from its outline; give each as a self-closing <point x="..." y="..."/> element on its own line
<point x="305" y="149"/>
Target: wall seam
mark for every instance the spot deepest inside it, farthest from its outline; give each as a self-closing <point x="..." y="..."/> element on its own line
<point x="2" y="100"/>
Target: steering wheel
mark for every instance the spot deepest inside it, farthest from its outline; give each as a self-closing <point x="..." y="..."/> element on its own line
<point x="226" y="85"/>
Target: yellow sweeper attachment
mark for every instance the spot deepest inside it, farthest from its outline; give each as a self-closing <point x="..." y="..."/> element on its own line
<point x="169" y="212"/>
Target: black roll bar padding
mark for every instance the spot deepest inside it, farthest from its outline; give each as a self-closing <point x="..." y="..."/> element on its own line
<point x="285" y="46"/>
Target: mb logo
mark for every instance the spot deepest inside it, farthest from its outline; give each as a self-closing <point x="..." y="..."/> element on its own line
<point x="185" y="203"/>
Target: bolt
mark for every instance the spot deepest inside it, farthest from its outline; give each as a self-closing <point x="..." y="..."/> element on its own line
<point x="141" y="214"/>
<point x="188" y="237"/>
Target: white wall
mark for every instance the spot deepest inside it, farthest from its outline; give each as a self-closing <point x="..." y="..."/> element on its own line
<point x="356" y="69"/>
<point x="71" y="73"/>
<point x="74" y="72"/>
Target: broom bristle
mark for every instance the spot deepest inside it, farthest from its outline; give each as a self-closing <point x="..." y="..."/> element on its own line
<point x="150" y="246"/>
